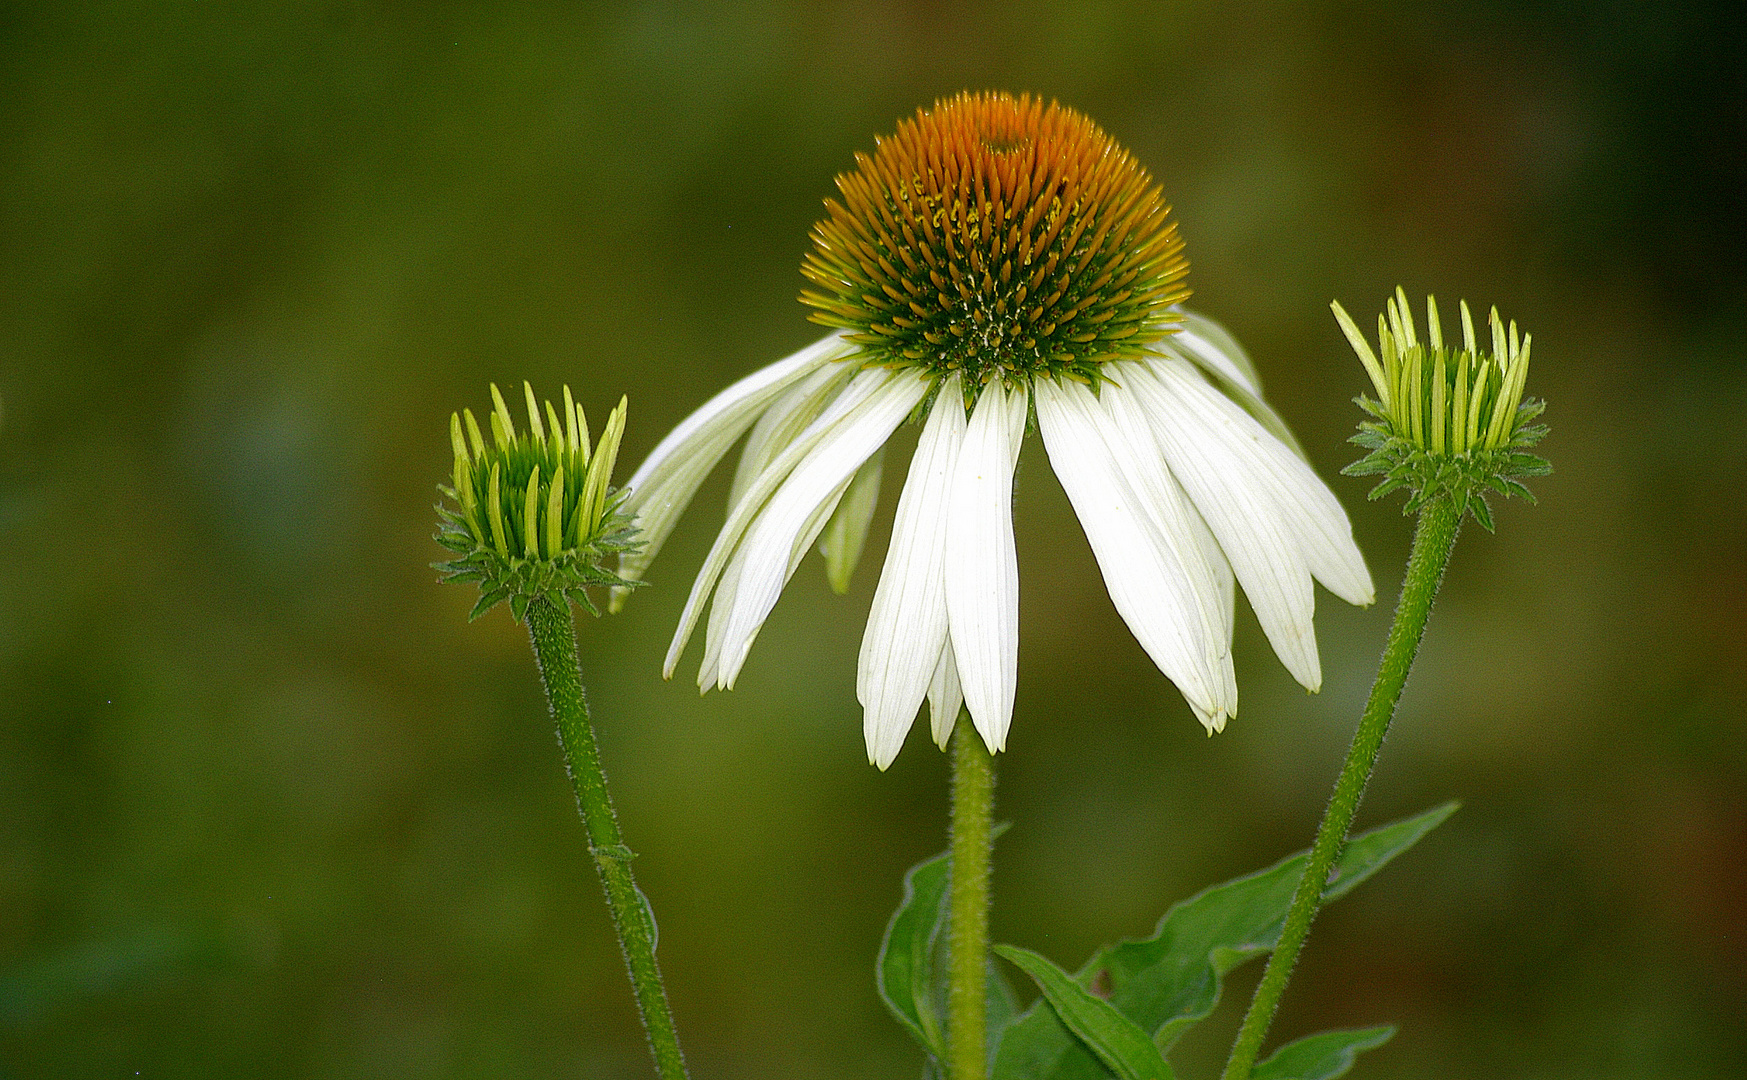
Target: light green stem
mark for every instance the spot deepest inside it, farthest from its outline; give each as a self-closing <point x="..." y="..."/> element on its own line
<point x="973" y="805"/>
<point x="1433" y="539"/>
<point x="554" y="635"/>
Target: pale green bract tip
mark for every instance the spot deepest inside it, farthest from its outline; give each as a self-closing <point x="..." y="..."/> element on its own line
<point x="1447" y="422"/>
<point x="551" y="523"/>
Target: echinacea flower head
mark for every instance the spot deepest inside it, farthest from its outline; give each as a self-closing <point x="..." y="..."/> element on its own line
<point x="996" y="260"/>
<point x="532" y="514"/>
<point x="1448" y="421"/>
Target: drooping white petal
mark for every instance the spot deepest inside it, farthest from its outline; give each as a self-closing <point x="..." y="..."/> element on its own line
<point x="854" y="395"/>
<point x="1152" y="564"/>
<point x="664" y="484"/>
<point x="1209" y="346"/>
<point x="1176" y="514"/>
<point x="720" y="605"/>
<point x="787" y="417"/>
<point x="1314" y="515"/>
<point x="786" y="527"/>
<point x="710" y="672"/>
<point x="906" y="627"/>
<point x="1223" y="578"/>
<point x="982" y="569"/>
<point x="846" y="532"/>
<point x="1206" y="452"/>
<point x="945" y="695"/>
<point x="1324" y="533"/>
<point x="1225" y="586"/>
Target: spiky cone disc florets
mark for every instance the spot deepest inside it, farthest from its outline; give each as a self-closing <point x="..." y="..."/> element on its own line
<point x="1447" y="422"/>
<point x="531" y="514"/>
<point x="997" y="237"/>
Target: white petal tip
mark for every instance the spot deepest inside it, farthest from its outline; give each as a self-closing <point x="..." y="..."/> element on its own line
<point x="996" y="741"/>
<point x="1359" y="593"/>
<point x="1214" y="722"/>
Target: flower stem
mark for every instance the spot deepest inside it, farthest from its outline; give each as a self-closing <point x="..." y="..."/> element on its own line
<point x="1434" y="538"/>
<point x="553" y="632"/>
<point x="973" y="804"/>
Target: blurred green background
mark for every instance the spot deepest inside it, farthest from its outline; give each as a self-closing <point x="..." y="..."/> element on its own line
<point x="270" y="806"/>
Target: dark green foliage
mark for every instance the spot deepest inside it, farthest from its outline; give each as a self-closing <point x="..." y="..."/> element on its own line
<point x="1161" y="985"/>
<point x="1321" y="1057"/>
<point x="905" y="969"/>
<point x="1121" y="1044"/>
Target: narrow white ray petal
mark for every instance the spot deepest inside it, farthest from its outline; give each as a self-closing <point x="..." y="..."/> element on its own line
<point x="787" y="526"/>
<point x="664" y="484"/>
<point x="720" y="605"/>
<point x="945" y="696"/>
<point x="906" y="626"/>
<point x="846" y="532"/>
<point x="1223" y="578"/>
<point x="1178" y="520"/>
<point x="1205" y="452"/>
<point x="1211" y="345"/>
<point x="1143" y="569"/>
<point x="1314" y="515"/>
<point x="1173" y="514"/>
<point x="711" y="673"/>
<point x="1225" y="584"/>
<point x="787" y="417"/>
<point x="1208" y="345"/>
<point x="1324" y="532"/>
<point x="982" y="569"/>
<point x="728" y="540"/>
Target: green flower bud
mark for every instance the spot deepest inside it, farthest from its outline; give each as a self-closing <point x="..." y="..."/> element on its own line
<point x="532" y="513"/>
<point x="1447" y="422"/>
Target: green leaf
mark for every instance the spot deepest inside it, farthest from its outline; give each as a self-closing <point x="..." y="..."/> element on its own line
<point x="1118" y="1041"/>
<point x="1171" y="980"/>
<point x="905" y="967"/>
<point x="1321" y="1057"/>
<point x="1003" y="1009"/>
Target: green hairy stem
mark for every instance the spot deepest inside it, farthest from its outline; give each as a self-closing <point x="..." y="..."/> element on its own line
<point x="554" y="636"/>
<point x="973" y="804"/>
<point x="1433" y="539"/>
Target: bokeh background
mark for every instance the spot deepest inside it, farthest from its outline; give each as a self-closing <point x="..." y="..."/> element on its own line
<point x="270" y="805"/>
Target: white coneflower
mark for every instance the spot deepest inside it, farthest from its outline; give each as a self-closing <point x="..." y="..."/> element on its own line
<point x="998" y="258"/>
